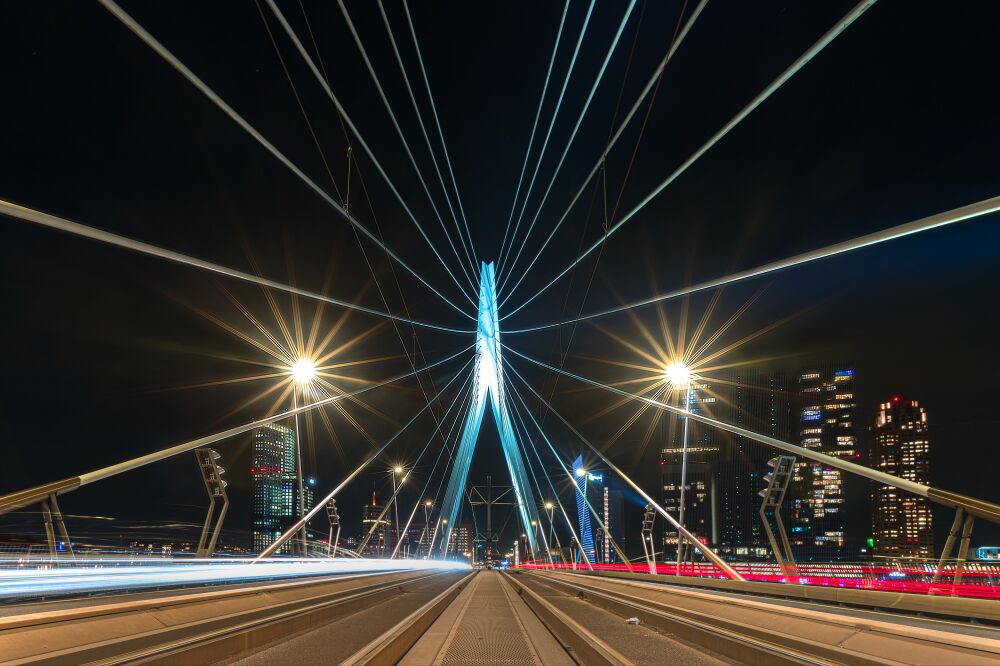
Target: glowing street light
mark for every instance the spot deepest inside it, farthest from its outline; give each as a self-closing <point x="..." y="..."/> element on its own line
<point x="303" y="371"/>
<point x="678" y="374"/>
<point x="581" y="472"/>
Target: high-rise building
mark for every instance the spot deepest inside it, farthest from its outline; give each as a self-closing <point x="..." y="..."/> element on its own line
<point x="725" y="471"/>
<point x="701" y="492"/>
<point x="374" y="527"/>
<point x="901" y="521"/>
<point x="595" y="487"/>
<point x="272" y="484"/>
<point x="818" y="515"/>
<point x="460" y="543"/>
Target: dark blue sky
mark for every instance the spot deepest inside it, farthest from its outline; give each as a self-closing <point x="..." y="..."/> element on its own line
<point x="896" y="120"/>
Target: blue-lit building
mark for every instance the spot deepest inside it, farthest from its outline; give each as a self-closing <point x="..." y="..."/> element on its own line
<point x="595" y="487"/>
<point x="274" y="486"/>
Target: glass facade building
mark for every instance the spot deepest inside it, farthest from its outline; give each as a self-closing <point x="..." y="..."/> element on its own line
<point x="901" y="522"/>
<point x="817" y="511"/>
<point x="272" y="484"/>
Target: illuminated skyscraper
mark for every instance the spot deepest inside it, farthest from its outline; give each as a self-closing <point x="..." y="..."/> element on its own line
<point x="372" y="519"/>
<point x="272" y="484"/>
<point x="608" y="504"/>
<point x="828" y="424"/>
<point x="901" y="522"/>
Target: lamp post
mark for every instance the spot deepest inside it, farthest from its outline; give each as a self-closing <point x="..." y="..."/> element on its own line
<point x="397" y="470"/>
<point x="427" y="523"/>
<point x="549" y="507"/>
<point x="679" y="375"/>
<point x="302" y="373"/>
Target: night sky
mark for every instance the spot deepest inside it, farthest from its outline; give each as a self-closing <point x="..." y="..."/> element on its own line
<point x="892" y="122"/>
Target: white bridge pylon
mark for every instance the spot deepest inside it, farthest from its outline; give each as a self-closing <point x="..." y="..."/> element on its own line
<point x="489" y="383"/>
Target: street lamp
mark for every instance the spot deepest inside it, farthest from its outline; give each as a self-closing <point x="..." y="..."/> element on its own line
<point x="549" y="507"/>
<point x="679" y="375"/>
<point x="396" y="471"/>
<point x="303" y="372"/>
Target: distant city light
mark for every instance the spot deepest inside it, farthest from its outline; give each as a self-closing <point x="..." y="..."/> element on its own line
<point x="303" y="371"/>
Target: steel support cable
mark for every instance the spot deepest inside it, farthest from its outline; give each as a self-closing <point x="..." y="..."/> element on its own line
<point x="534" y="127"/>
<point x="437" y="121"/>
<point x="75" y="228"/>
<point x="548" y="135"/>
<point x="427" y="139"/>
<point x="555" y="493"/>
<point x="569" y="142"/>
<point x="321" y="505"/>
<point x="569" y="474"/>
<point x="783" y="78"/>
<point x="302" y="109"/>
<point x="399" y="486"/>
<point x="319" y="149"/>
<point x="552" y="488"/>
<point x="971" y="211"/>
<point x="987" y="510"/>
<point x="129" y="22"/>
<point x="651" y="85"/>
<point x="25" y="497"/>
<point x="708" y="552"/>
<point x="406" y="147"/>
<point x="423" y="491"/>
<point x="656" y="76"/>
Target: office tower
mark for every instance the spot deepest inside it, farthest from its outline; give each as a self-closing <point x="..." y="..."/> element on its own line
<point x="725" y="471"/>
<point x="374" y="527"/>
<point x="820" y="529"/>
<point x="701" y="494"/>
<point x="272" y="484"/>
<point x="756" y="399"/>
<point x="460" y="542"/>
<point x="595" y="487"/>
<point x="901" y="521"/>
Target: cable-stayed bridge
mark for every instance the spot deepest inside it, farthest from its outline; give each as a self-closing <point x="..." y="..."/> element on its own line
<point x="295" y="601"/>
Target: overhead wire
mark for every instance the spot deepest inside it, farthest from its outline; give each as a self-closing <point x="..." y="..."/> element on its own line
<point x="75" y="228"/>
<point x="437" y="123"/>
<point x="133" y="25"/>
<point x="409" y="153"/>
<point x="534" y="127"/>
<point x="548" y="135"/>
<point x="776" y="84"/>
<point x="569" y="142"/>
<point x="653" y="80"/>
<point x="961" y="214"/>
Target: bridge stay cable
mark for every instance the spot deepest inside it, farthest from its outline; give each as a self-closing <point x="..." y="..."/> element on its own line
<point x="467" y="399"/>
<point x="437" y="122"/>
<point x="548" y="134"/>
<point x="40" y="218"/>
<point x="771" y="88"/>
<point x="954" y="216"/>
<point x="534" y="127"/>
<point x="651" y="85"/>
<point x="682" y="531"/>
<point x="22" y="498"/>
<point x="569" y="142"/>
<point x="144" y="35"/>
<point x="321" y="504"/>
<point x="406" y="147"/>
<point x="980" y="508"/>
<point x="399" y="487"/>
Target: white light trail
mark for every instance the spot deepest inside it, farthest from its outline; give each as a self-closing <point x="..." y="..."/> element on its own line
<point x="86" y="576"/>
